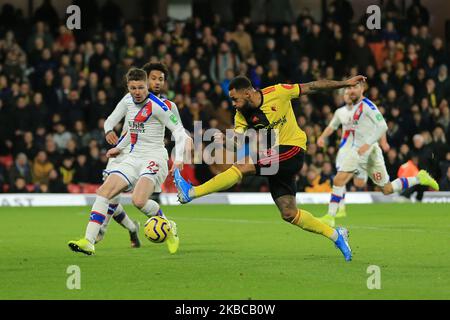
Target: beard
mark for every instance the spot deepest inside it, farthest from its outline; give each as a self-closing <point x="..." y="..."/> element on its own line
<point x="247" y="106"/>
<point x="355" y="99"/>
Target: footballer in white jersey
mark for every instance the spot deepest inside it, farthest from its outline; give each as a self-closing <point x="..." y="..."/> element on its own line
<point x="145" y="164"/>
<point x="157" y="73"/>
<point x="365" y="155"/>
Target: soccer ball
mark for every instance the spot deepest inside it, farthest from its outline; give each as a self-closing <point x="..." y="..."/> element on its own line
<point x="156" y="229"/>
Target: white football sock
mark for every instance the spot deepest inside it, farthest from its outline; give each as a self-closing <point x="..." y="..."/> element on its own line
<point x="98" y="215"/>
<point x="113" y="203"/>
<point x="342" y="202"/>
<point x="123" y="219"/>
<point x="400" y="184"/>
<point x="337" y="195"/>
<point x="152" y="208"/>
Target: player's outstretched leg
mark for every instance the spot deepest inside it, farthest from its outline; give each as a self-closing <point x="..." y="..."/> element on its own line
<point x="109" y="189"/>
<point x="287" y="206"/>
<point x="222" y="181"/>
<point x="337" y="196"/>
<point x="400" y="184"/>
<point x="339" y="236"/>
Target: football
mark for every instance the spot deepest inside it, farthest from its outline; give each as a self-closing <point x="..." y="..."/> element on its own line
<point x="156" y="229"/>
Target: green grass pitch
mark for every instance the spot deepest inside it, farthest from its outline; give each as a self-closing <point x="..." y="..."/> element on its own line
<point x="230" y="252"/>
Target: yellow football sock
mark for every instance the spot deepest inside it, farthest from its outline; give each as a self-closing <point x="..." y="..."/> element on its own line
<point x="308" y="222"/>
<point x="222" y="181"/>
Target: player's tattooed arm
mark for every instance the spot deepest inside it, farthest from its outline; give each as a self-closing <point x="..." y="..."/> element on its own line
<point x="320" y="85"/>
<point x="231" y="144"/>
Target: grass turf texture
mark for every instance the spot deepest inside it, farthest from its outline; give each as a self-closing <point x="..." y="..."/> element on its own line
<point x="230" y="252"/>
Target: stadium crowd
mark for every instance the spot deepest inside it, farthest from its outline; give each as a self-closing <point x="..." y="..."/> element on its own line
<point x="57" y="86"/>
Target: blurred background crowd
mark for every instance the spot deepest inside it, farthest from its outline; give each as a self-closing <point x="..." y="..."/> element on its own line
<point x="57" y="86"/>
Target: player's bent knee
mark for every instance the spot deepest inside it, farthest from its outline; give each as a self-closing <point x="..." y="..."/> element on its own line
<point x="339" y="180"/>
<point x="138" y="202"/>
<point x="105" y="192"/>
<point x="288" y="215"/>
<point x="246" y="168"/>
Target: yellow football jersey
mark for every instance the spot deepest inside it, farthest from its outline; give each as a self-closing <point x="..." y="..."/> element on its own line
<point x="275" y="112"/>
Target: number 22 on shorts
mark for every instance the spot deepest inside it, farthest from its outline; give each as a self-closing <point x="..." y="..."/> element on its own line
<point x="153" y="167"/>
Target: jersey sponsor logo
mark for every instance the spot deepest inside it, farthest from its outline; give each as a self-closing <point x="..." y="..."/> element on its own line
<point x="137" y="125"/>
<point x="280" y="121"/>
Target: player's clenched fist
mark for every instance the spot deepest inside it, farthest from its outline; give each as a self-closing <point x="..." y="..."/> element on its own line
<point x="112" y="153"/>
<point x="111" y="138"/>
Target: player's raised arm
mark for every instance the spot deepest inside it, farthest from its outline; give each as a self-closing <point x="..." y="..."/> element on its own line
<point x="320" y="85"/>
<point x="114" y="118"/>
<point x="325" y="134"/>
<point x="384" y="144"/>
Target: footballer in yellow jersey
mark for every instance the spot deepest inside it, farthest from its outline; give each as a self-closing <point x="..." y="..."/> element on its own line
<point x="270" y="108"/>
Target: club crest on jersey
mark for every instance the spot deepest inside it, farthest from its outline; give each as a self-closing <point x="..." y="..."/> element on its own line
<point x="274" y="108"/>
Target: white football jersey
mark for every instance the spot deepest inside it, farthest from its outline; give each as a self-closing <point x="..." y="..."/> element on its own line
<point x="121" y="111"/>
<point x="343" y="116"/>
<point x="146" y="127"/>
<point x="368" y="123"/>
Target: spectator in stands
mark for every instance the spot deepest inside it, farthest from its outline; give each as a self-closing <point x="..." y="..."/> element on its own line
<point x="315" y="181"/>
<point x="21" y="169"/>
<point x="19" y="186"/>
<point x="55" y="184"/>
<point x="417" y="14"/>
<point x="444" y="184"/>
<point x="82" y="170"/>
<point x="80" y="135"/>
<point x="243" y="40"/>
<point x="67" y="170"/>
<point x="97" y="164"/>
<point x="41" y="168"/>
<point x="422" y="152"/>
<point x="360" y="54"/>
<point x="22" y="118"/>
<point x="392" y="163"/>
<point x="221" y="62"/>
<point x="61" y="136"/>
